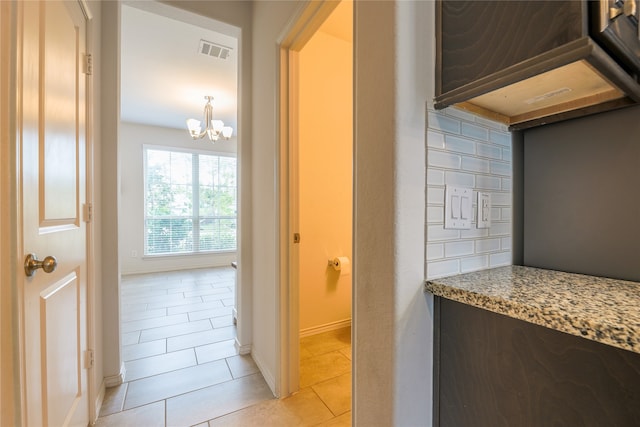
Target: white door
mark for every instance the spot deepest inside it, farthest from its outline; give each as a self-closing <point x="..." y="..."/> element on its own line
<point x="52" y="133"/>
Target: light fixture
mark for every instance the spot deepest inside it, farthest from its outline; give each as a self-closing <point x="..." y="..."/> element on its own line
<point x="214" y="128"/>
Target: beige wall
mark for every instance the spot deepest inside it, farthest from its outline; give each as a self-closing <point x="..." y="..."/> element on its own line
<point x="325" y="179"/>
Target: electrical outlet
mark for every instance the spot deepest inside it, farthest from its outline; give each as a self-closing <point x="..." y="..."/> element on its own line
<point x="484" y="210"/>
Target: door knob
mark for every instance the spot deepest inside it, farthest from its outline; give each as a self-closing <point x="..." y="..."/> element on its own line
<point x="31" y="264"/>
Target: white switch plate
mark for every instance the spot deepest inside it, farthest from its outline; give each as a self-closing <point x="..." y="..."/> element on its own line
<point x="458" y="208"/>
<point x="484" y="210"/>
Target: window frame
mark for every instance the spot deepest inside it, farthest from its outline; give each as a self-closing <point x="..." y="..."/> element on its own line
<point x="195" y="201"/>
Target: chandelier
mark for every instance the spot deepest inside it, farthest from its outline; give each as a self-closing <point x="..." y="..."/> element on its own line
<point x="213" y="128"/>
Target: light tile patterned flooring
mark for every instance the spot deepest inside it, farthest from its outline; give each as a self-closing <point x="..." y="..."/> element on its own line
<point x="182" y="368"/>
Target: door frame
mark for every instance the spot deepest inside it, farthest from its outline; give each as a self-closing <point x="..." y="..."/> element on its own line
<point x="308" y="20"/>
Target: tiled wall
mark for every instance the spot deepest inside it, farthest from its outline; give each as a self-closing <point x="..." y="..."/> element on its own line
<point x="467" y="151"/>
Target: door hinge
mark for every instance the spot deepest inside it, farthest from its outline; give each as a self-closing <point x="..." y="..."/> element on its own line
<point x="88" y="64"/>
<point x="88" y="359"/>
<point x="88" y="212"/>
<point x="296" y="237"/>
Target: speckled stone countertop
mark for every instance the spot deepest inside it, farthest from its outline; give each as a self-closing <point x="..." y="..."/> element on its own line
<point x="600" y="309"/>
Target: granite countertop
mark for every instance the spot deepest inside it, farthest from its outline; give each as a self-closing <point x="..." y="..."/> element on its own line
<point x="596" y="308"/>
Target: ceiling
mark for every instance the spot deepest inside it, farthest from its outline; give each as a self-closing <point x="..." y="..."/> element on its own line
<point x="164" y="77"/>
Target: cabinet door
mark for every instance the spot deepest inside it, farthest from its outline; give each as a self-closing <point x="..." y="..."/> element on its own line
<point x="479" y="38"/>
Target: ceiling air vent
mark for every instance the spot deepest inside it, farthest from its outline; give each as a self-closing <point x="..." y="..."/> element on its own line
<point x="214" y="49"/>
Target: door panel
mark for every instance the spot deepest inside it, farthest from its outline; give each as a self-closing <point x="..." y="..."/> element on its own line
<point x="60" y="107"/>
<point x="52" y="120"/>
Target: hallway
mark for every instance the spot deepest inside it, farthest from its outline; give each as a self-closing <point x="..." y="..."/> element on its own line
<point x="182" y="368"/>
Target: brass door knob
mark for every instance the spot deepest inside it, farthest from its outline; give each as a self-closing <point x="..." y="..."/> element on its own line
<point x="31" y="264"/>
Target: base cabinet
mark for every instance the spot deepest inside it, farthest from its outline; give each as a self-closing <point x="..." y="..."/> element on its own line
<point x="493" y="370"/>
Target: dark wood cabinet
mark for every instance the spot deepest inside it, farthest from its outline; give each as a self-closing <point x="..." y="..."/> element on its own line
<point x="525" y="63"/>
<point x="493" y="370"/>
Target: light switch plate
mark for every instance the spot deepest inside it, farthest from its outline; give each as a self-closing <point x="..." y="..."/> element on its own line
<point x="483" y="210"/>
<point x="458" y="208"/>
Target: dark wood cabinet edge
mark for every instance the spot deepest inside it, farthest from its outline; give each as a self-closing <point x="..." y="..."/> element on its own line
<point x="436" y="361"/>
<point x="438" y="29"/>
<point x="574" y="114"/>
<point x="563" y="55"/>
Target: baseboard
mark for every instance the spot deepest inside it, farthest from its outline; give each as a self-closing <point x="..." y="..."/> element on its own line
<point x="325" y="328"/>
<point x="99" y="399"/>
<point x="115" y="380"/>
<point x="242" y="349"/>
<point x="268" y="378"/>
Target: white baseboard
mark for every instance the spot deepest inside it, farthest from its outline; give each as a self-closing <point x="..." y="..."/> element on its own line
<point x="325" y="328"/>
<point x="99" y="400"/>
<point x="242" y="349"/>
<point x="115" y="380"/>
<point x="268" y="377"/>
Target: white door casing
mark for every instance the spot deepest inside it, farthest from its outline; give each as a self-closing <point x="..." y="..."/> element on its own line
<point x="51" y="118"/>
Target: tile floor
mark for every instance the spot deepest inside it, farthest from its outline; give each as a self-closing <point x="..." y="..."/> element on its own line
<point x="182" y="368"/>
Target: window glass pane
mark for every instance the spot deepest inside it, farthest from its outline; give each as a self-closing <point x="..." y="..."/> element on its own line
<point x="170" y="191"/>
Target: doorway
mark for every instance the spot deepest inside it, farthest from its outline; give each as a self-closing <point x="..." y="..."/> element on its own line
<point x="317" y="173"/>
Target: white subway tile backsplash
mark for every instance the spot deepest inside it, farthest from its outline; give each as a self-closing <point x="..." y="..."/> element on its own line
<point x="500" y="229"/>
<point x="500" y="259"/>
<point x="459" y="179"/>
<point x="443" y="268"/>
<point x="475" y="131"/>
<point x="435" y="251"/>
<point x="460" y="145"/>
<point x="435" y="139"/>
<point x="505" y="243"/>
<point x="501" y="168"/>
<point x="468" y="151"/>
<point x="435" y="177"/>
<point x="486" y="150"/>
<point x="438" y="232"/>
<point x="490" y="123"/>
<point x="489" y="245"/>
<point x="435" y="196"/>
<point x="500" y="199"/>
<point x="442" y="122"/>
<point x="474" y="263"/>
<point x="435" y="214"/>
<point x="495" y="214"/>
<point x="474" y="233"/>
<point x="487" y="182"/>
<point x="459" y="114"/>
<point x="474" y="164"/>
<point x="502" y="138"/>
<point x="443" y="160"/>
<point x="460" y="248"/>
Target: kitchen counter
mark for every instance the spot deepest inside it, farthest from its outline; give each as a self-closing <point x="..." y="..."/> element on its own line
<point x="600" y="309"/>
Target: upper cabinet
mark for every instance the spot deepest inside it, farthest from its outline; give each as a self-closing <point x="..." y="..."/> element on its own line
<point x="527" y="63"/>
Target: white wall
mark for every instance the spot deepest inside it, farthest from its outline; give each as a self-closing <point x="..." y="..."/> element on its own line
<point x="393" y="317"/>
<point x="132" y="139"/>
<point x="269" y="21"/>
<point x="325" y="177"/>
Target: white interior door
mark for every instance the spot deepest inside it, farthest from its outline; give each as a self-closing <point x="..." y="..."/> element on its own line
<point x="52" y="131"/>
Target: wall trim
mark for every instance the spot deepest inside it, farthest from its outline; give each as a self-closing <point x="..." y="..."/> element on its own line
<point x="242" y="349"/>
<point x="268" y="378"/>
<point x="332" y="326"/>
<point x="115" y="380"/>
<point x="97" y="404"/>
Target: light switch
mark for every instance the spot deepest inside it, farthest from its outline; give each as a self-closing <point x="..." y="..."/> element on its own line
<point x="484" y="210"/>
<point x="457" y="208"/>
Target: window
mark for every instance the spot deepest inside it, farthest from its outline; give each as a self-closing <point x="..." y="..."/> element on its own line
<point x="190" y="202"/>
